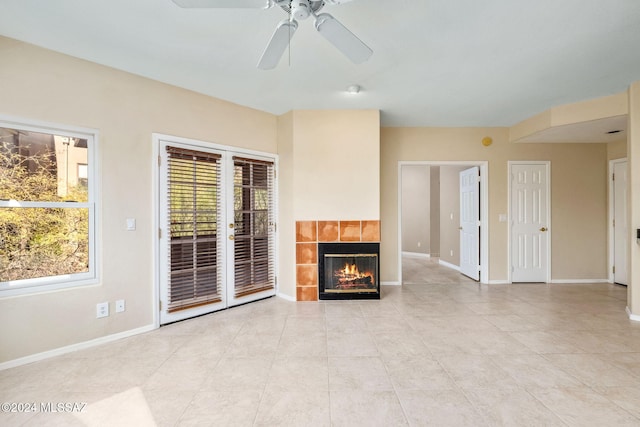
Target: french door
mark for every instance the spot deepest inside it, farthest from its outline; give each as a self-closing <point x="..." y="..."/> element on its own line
<point x="217" y="229"/>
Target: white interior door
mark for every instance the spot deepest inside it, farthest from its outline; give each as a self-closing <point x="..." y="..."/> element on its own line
<point x="217" y="230"/>
<point x="529" y="222"/>
<point x="470" y="222"/>
<point x="620" y="234"/>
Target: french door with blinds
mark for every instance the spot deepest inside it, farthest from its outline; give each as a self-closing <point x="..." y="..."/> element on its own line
<point x="217" y="229"/>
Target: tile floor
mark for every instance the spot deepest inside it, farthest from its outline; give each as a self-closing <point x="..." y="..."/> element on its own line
<point x="440" y="350"/>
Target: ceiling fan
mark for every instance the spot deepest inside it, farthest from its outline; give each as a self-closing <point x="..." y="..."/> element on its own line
<point x="329" y="27"/>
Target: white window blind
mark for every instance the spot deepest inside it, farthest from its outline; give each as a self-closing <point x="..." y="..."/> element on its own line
<point x="196" y="245"/>
<point x="254" y="226"/>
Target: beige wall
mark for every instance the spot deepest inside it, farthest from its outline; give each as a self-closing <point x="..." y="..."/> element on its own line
<point x="578" y="194"/>
<point x="336" y="165"/>
<point x="617" y="150"/>
<point x="37" y="84"/>
<point x="416" y="208"/>
<point x="286" y="199"/>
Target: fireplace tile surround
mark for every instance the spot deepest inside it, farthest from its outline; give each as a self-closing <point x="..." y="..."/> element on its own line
<point x="310" y="233"/>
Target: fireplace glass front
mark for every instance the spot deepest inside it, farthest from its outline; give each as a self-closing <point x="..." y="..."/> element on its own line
<point x="348" y="271"/>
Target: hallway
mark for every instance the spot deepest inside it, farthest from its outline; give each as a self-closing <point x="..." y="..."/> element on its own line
<point x="427" y="271"/>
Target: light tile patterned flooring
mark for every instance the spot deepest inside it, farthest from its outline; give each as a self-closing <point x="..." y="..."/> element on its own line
<point x="440" y="350"/>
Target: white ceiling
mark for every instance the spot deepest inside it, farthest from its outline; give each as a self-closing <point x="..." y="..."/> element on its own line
<point x="435" y="62"/>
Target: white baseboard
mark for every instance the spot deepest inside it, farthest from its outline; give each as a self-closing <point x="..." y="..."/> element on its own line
<point x="634" y="317"/>
<point x="449" y="265"/>
<point x="557" y="282"/>
<point x="74" y="347"/>
<point x="416" y="255"/>
<point x="390" y="283"/>
<point x="285" y="296"/>
<point x="579" y="281"/>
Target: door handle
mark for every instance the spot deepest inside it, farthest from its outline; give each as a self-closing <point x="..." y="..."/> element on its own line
<point x="459" y="228"/>
<point x="543" y="229"/>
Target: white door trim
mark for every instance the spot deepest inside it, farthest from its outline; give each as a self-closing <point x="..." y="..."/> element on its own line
<point x="611" y="216"/>
<point x="547" y="165"/>
<point x="484" y="210"/>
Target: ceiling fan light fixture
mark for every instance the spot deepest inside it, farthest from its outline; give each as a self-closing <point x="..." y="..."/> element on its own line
<point x="343" y="39"/>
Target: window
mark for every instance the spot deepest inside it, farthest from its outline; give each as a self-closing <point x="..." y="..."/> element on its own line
<point x="47" y="208"/>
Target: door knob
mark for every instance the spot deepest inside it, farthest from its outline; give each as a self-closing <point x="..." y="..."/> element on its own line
<point x="459" y="228"/>
<point x="231" y="237"/>
<point x="543" y="229"/>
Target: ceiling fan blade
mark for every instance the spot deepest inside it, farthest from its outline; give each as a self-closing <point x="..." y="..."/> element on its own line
<point x="343" y="39"/>
<point x="277" y="45"/>
<point x="231" y="4"/>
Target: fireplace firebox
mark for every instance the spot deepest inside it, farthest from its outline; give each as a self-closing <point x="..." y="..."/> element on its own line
<point x="348" y="271"/>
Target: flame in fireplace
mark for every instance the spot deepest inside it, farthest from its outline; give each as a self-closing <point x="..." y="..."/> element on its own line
<point x="350" y="276"/>
<point x="352" y="271"/>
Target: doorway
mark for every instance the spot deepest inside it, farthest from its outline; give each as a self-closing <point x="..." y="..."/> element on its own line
<point x="216" y="228"/>
<point x="447" y="220"/>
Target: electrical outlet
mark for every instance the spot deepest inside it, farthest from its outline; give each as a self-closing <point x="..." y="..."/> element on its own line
<point x="119" y="306"/>
<point x="102" y="310"/>
<point x="451" y="252"/>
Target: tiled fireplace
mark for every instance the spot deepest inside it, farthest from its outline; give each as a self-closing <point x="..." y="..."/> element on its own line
<point x="359" y="237"/>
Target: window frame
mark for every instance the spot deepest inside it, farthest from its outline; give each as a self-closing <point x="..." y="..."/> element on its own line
<point x="90" y="277"/>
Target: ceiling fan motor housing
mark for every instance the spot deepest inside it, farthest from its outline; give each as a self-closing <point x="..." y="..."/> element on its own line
<point x="300" y="9"/>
